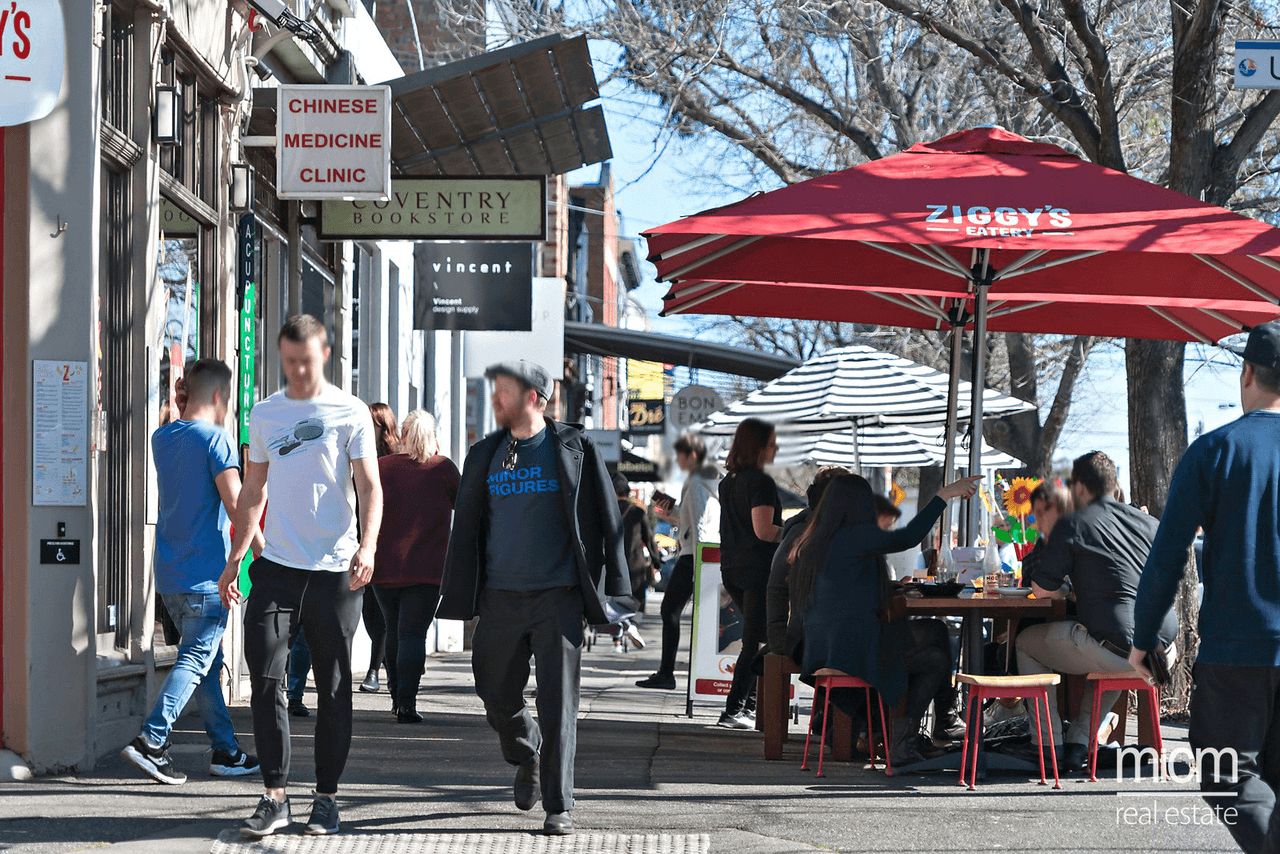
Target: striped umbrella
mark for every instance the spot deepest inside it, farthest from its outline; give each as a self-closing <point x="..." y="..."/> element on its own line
<point x="855" y="386"/>
<point x="895" y="445"/>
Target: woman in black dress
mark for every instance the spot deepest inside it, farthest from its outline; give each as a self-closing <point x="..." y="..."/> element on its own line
<point x="750" y="528"/>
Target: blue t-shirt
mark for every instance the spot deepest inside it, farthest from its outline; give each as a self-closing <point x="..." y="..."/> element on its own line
<point x="1228" y="482"/>
<point x="193" y="533"/>
<point x="528" y="544"/>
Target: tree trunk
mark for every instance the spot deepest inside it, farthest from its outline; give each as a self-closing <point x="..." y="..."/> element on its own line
<point x="1157" y="418"/>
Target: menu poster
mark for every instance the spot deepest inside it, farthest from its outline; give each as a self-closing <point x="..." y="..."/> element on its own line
<point x="60" y="433"/>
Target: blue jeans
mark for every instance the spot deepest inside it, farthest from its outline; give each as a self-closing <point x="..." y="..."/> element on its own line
<point x="201" y="620"/>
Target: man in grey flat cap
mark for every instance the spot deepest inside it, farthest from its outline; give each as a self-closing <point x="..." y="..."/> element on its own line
<point x="1228" y="482"/>
<point x="536" y="546"/>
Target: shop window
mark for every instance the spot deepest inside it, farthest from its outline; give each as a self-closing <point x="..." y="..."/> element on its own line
<point x="178" y="275"/>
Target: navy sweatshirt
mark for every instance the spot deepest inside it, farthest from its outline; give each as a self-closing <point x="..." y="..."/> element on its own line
<point x="1228" y="482"/>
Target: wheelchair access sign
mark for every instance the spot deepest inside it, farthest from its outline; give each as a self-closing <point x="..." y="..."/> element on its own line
<point x="60" y="551"/>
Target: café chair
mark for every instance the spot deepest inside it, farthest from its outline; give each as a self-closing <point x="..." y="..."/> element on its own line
<point x="1034" y="686"/>
<point x="1131" y="680"/>
<point x="825" y="679"/>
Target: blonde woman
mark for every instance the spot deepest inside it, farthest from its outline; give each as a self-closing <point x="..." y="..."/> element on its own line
<point x="419" y="488"/>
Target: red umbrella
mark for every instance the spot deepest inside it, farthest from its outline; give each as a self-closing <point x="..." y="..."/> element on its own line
<point x="981" y="227"/>
<point x="980" y="210"/>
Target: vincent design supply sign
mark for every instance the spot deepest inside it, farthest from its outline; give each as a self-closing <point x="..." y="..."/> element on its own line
<point x="32" y="52"/>
<point x="333" y="142"/>
<point x="444" y="209"/>
<point x="473" y="286"/>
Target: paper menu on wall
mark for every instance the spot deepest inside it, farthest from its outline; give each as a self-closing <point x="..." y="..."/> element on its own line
<point x="60" y="433"/>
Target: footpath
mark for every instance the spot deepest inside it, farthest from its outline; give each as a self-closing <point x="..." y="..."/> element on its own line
<point x="649" y="779"/>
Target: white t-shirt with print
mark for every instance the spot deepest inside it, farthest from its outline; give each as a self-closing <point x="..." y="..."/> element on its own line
<point x="311" y="502"/>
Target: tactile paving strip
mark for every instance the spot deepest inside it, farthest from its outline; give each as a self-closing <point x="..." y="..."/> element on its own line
<point x="231" y="842"/>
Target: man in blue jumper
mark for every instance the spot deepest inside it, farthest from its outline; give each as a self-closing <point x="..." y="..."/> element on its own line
<point x="1229" y="482"/>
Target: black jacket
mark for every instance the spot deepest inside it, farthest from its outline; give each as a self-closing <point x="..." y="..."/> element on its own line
<point x="591" y="509"/>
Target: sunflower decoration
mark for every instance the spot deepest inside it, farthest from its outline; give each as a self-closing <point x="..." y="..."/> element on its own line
<point x="1017" y="498"/>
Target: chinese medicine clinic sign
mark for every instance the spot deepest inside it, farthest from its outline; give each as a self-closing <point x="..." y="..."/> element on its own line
<point x="333" y="142"/>
<point x="32" y="48"/>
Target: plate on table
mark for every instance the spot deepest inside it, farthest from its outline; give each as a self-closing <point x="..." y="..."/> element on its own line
<point x="1014" y="592"/>
<point x="938" y="590"/>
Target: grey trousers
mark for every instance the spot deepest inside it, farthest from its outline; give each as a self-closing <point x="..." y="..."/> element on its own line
<point x="1065" y="646"/>
<point x="545" y="625"/>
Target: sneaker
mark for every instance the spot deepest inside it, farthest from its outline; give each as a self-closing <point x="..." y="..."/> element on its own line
<point x="558" y="824"/>
<point x="154" y="761"/>
<point x="742" y="721"/>
<point x="658" y="680"/>
<point x="298" y="709"/>
<point x="998" y="712"/>
<point x="324" y="817"/>
<point x="270" y="816"/>
<point x="238" y="764"/>
<point x="633" y="635"/>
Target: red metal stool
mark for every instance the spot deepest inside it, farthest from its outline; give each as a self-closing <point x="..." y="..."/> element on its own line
<point x="1130" y="680"/>
<point x="825" y="679"/>
<point x="1034" y="685"/>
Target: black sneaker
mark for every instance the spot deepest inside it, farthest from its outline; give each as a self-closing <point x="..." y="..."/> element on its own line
<point x="324" y="817"/>
<point x="238" y="764"/>
<point x="270" y="816"/>
<point x="658" y="680"/>
<point x="741" y="721"/>
<point x="298" y="709"/>
<point x="154" y="761"/>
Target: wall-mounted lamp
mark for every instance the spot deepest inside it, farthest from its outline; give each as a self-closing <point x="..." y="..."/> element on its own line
<point x="240" y="197"/>
<point x="167" y="114"/>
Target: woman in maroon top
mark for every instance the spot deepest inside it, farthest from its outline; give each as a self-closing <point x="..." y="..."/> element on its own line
<point x="418" y="491"/>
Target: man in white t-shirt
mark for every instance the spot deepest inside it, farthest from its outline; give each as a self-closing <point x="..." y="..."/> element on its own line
<point x="306" y="443"/>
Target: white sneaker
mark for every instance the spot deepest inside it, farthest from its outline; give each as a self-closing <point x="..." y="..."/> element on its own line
<point x="633" y="635"/>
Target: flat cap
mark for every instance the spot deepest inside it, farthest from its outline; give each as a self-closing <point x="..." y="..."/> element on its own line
<point x="531" y="374"/>
<point x="1263" y="347"/>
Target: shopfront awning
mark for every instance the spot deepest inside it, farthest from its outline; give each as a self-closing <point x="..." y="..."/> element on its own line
<point x="596" y="338"/>
<point x="521" y="110"/>
<point x="516" y="111"/>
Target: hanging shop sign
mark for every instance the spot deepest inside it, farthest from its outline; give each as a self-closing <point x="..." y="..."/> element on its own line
<point x="1257" y="65"/>
<point x="692" y="405"/>
<point x="333" y="142"/>
<point x="646" y="416"/>
<point x="32" y="53"/>
<point x="473" y="286"/>
<point x="443" y="209"/>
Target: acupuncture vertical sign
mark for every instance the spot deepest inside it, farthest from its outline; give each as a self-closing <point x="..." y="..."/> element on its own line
<point x="247" y="290"/>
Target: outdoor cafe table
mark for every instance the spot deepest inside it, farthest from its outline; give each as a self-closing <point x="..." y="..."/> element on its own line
<point x="972" y="612"/>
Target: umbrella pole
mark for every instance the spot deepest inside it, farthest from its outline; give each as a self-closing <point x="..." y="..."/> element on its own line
<point x="953" y="404"/>
<point x="982" y="282"/>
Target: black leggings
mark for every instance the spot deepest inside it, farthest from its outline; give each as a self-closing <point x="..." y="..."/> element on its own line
<point x="408" y="612"/>
<point x="678" y="593"/>
<point x="376" y="627"/>
<point x="750" y="603"/>
<point x="281" y="599"/>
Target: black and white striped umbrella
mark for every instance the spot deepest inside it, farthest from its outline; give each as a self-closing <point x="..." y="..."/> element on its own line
<point x="896" y="445"/>
<point x="855" y="385"/>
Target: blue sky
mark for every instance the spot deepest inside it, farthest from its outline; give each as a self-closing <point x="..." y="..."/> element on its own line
<point x="656" y="185"/>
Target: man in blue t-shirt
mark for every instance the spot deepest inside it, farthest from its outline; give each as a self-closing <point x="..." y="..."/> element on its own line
<point x="1228" y="482"/>
<point x="198" y="481"/>
<point x="536" y="546"/>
